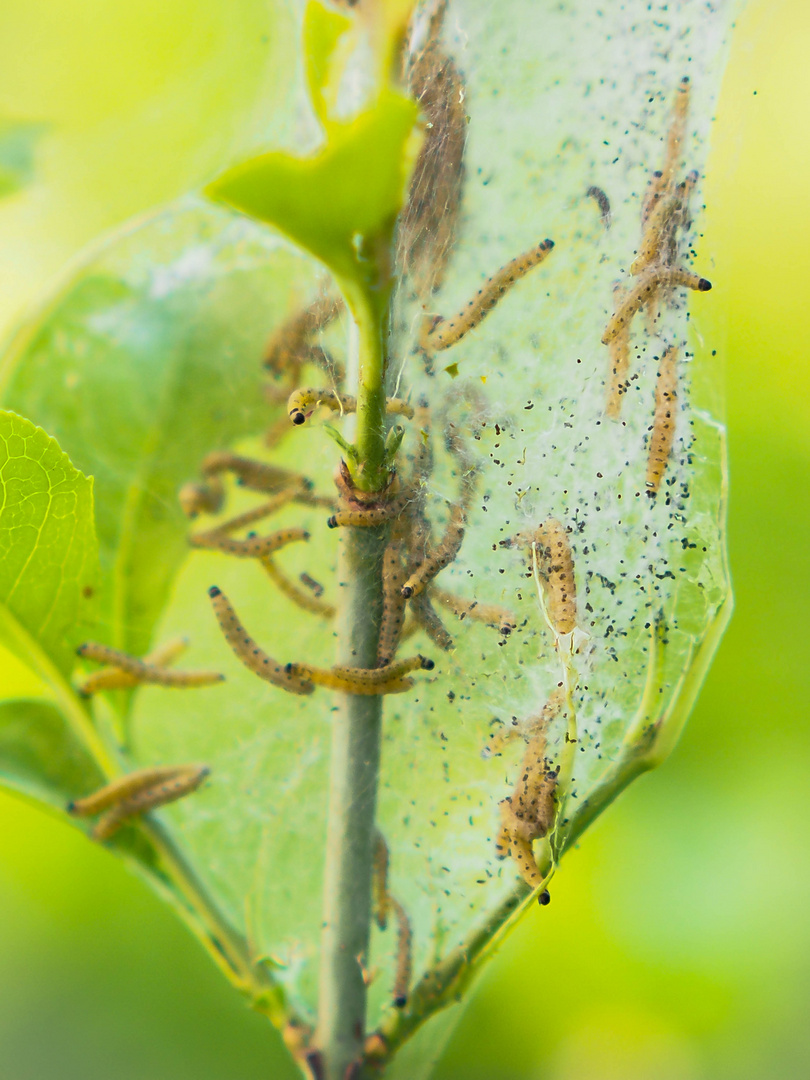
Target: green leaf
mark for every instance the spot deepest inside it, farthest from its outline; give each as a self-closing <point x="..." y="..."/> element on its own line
<point x="529" y="395"/>
<point x="323" y="29"/>
<point x="48" y="550"/>
<point x="148" y="359"/>
<point x="40" y="756"/>
<point x="341" y="203"/>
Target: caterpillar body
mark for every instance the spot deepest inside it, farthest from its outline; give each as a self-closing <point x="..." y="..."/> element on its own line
<point x="442" y="555"/>
<point x="114" y="678"/>
<point x="254" y="547"/>
<point x="648" y="283"/>
<point x="663" y="429"/>
<point x="390" y="679"/>
<point x="302" y="402"/>
<point x="308" y="601"/>
<point x="430" y="622"/>
<point x="142" y="671"/>
<point x="439" y="333"/>
<point x="183" y="782"/>
<point x="246" y="649"/>
<point x="602" y="201"/>
<point x="252" y="474"/>
<point x="490" y="614"/>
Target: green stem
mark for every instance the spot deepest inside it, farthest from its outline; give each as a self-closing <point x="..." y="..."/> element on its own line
<point x="356" y="730"/>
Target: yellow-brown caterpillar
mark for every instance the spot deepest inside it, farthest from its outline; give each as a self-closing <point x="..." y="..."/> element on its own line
<point x="252" y="474"/>
<point x="602" y="201"/>
<point x="141" y="671"/>
<point x="439" y="333"/>
<point x="663" y="429"/>
<point x="442" y="555"/>
<point x="404" y="969"/>
<point x="302" y="402"/>
<point x="185" y="780"/>
<point x="528" y="813"/>
<point x="676" y="133"/>
<point x="489" y="614"/>
<point x="254" y="547"/>
<point x="658" y="241"/>
<point x="393" y="606"/>
<point x="314" y="586"/>
<point x="290" y="345"/>
<point x="557" y="569"/>
<point x="428" y="222"/>
<point x="114" y="678"/>
<point x="505" y="734"/>
<point x="390" y="679"/>
<point x="619" y="353"/>
<point x="204" y="498"/>
<point x="309" y="601"/>
<point x="430" y="622"/>
<point x="379" y="882"/>
<point x="136" y="793"/>
<point x="254" y="658"/>
<point x="648" y="283"/>
<point x="365" y="517"/>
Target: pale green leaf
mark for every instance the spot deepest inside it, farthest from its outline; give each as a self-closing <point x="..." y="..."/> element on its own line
<point x="48" y="552"/>
<point x="323" y="29"/>
<point x="146" y="360"/>
<point x="556" y="104"/>
<point x="40" y="756"/>
<point x="341" y="203"/>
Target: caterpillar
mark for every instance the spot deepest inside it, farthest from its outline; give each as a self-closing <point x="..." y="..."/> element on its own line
<point x="677" y="132"/>
<point x="505" y="734"/>
<point x="501" y="737"/>
<point x="123" y="787"/>
<point x="302" y="402"/>
<point x="309" y="601"/>
<point x="655" y="189"/>
<point x="290" y="345"/>
<point x="439" y="333"/>
<point x="648" y="283"/>
<point x="393" y="606"/>
<point x="442" y="555"/>
<point x="404" y="968"/>
<point x="655" y="231"/>
<point x="386" y="680"/>
<point x="379" y="882"/>
<point x="114" y="678"/>
<point x="206" y="498"/>
<point x="619" y="354"/>
<point x="602" y="201"/>
<point x="663" y="429"/>
<point x="314" y="586"/>
<point x="246" y="649"/>
<point x="427" y="224"/>
<point x="185" y="780"/>
<point x="367" y="516"/>
<point x="252" y="474"/>
<point x="661" y="224"/>
<point x="254" y="547"/>
<point x="557" y="567"/>
<point x="528" y="813"/>
<point x="249" y="517"/>
<point x="430" y="622"/>
<point x="490" y="614"/>
<point x="142" y="671"/>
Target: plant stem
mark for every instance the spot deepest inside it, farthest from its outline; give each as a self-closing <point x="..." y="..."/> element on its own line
<point x="356" y="730"/>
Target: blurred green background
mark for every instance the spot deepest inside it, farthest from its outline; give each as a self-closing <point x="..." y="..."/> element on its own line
<point x="677" y="946"/>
